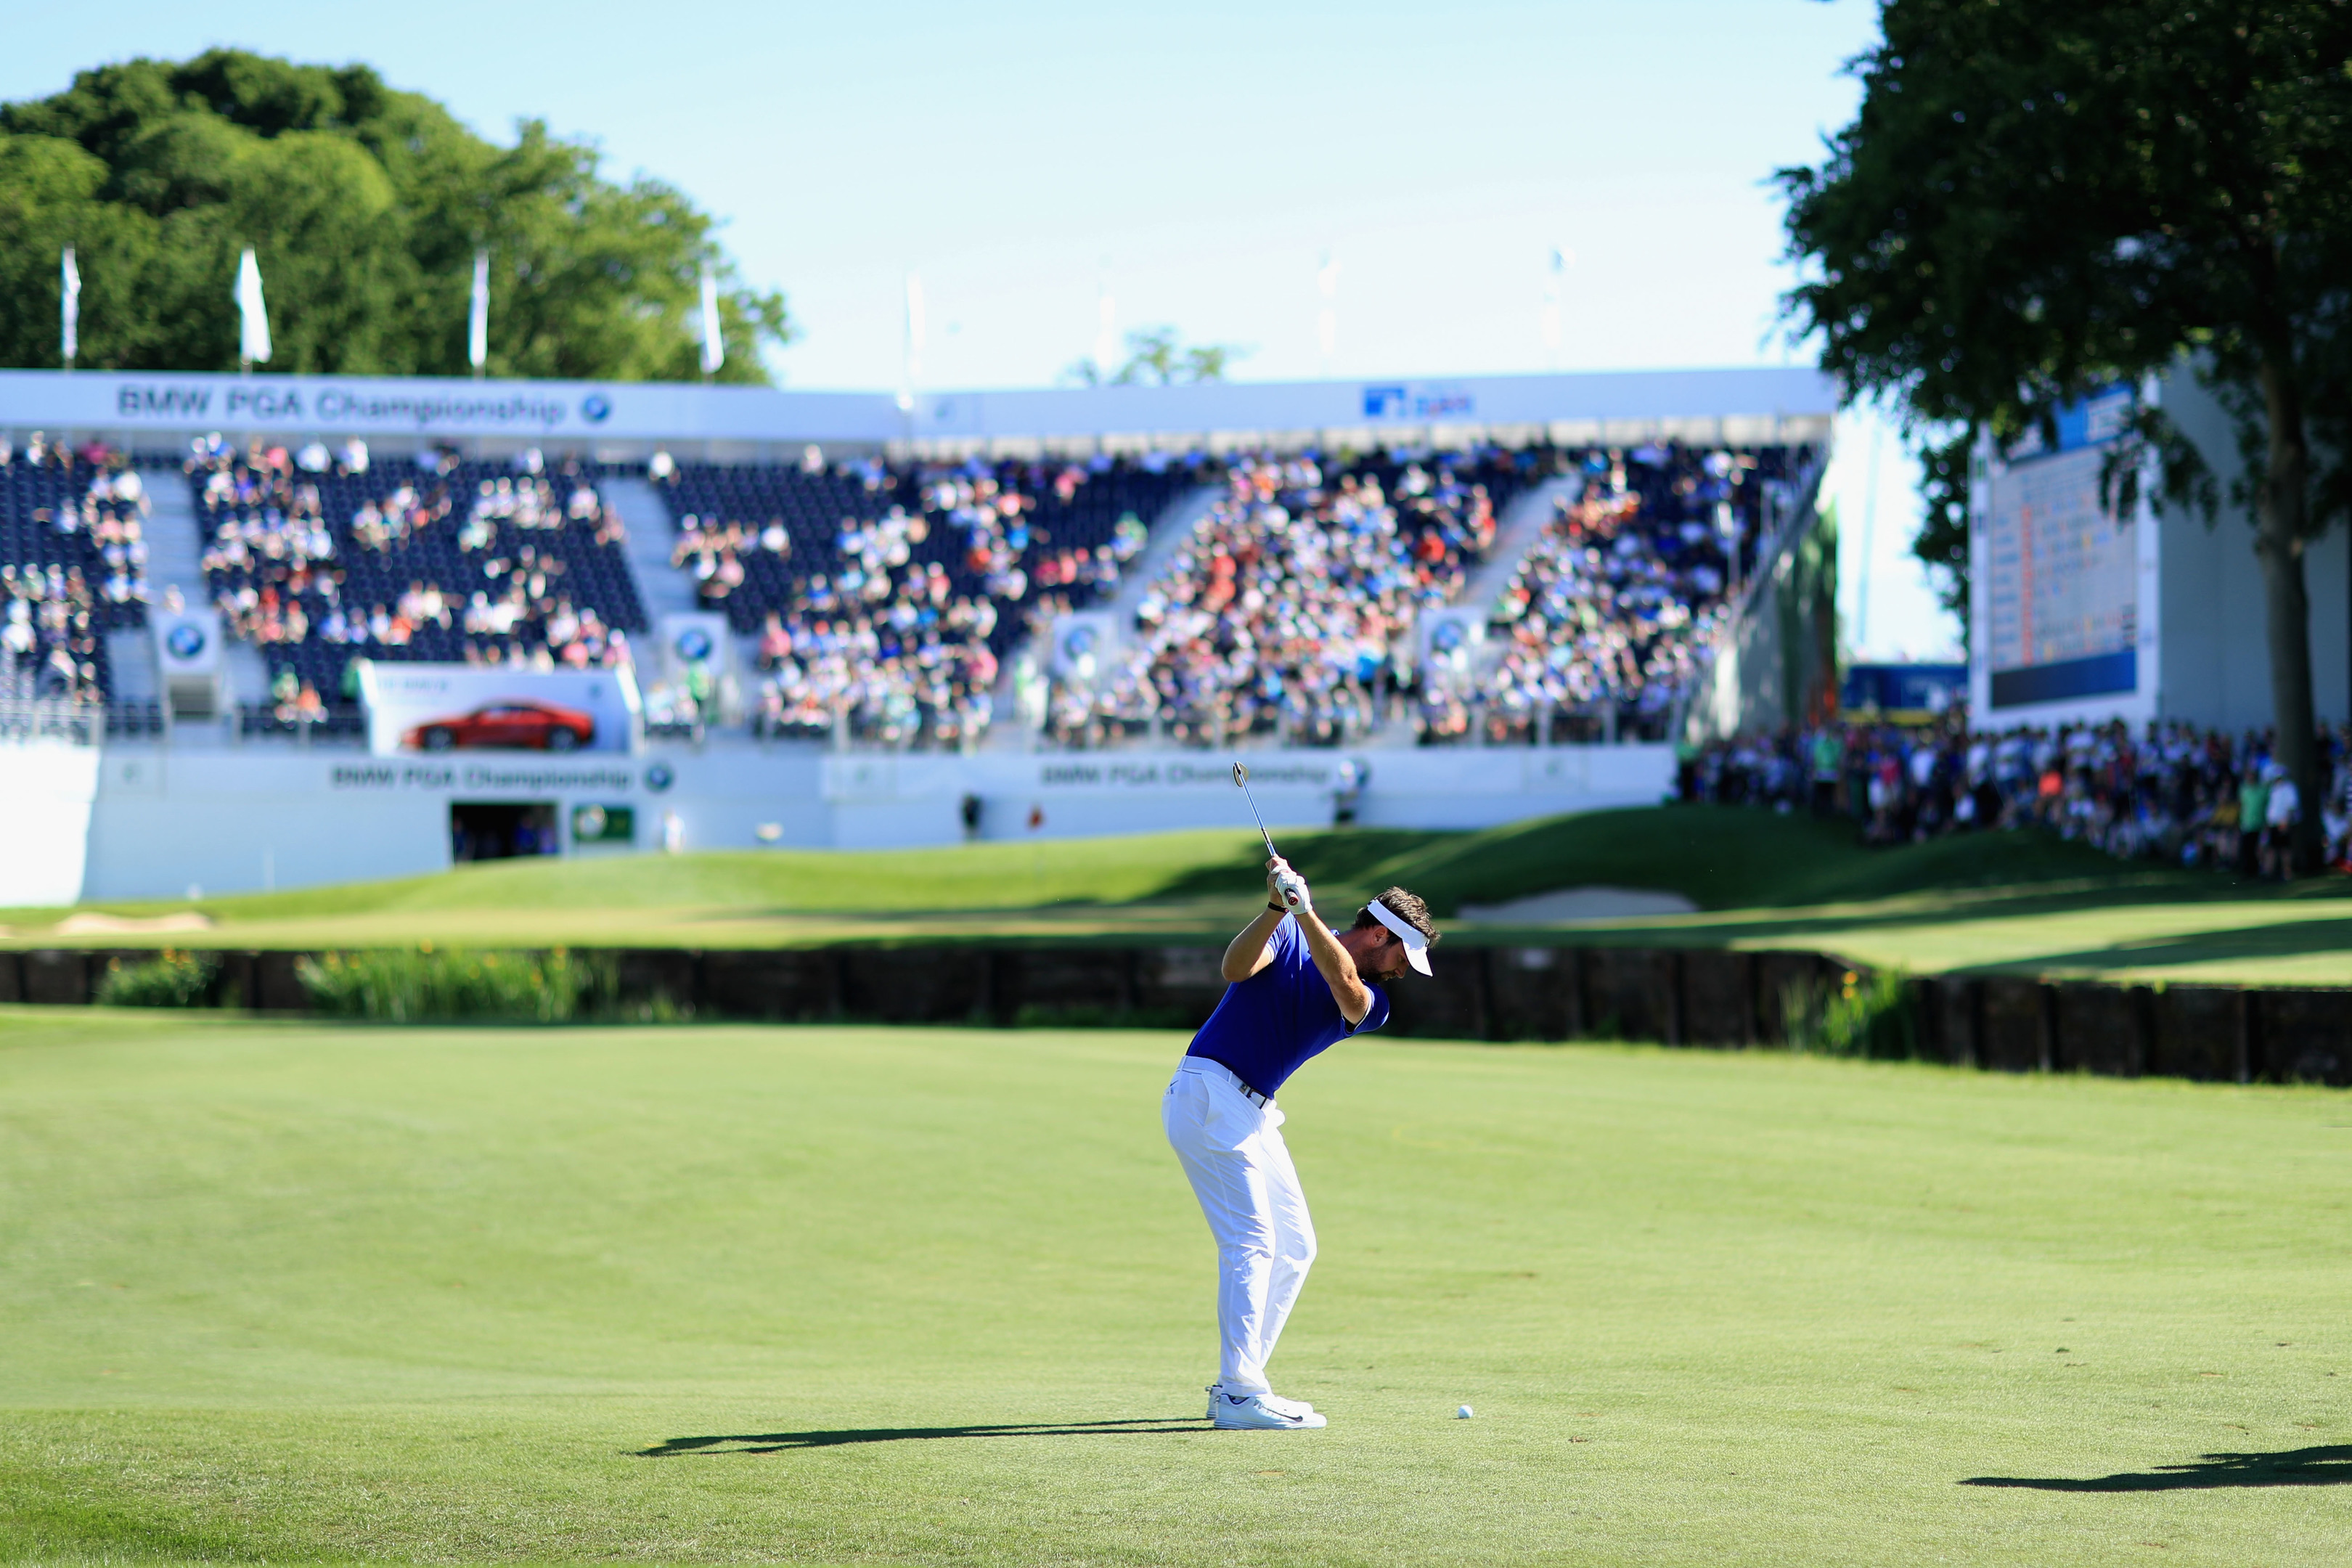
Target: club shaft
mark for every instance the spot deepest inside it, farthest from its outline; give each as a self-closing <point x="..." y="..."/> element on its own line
<point x="1262" y="833"/>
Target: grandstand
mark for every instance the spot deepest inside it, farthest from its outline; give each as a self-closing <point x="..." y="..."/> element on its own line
<point x="1607" y="622"/>
<point x="1289" y="610"/>
<point x="321" y="559"/>
<point x="72" y="568"/>
<point x="883" y="597"/>
<point x="847" y="621"/>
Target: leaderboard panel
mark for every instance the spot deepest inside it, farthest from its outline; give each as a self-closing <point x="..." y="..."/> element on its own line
<point x="2061" y="585"/>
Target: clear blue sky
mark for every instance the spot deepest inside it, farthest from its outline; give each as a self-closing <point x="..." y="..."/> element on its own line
<point x="1196" y="162"/>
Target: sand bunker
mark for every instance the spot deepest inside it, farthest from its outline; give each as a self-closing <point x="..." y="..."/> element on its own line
<point x="1580" y="904"/>
<point x="95" y="924"/>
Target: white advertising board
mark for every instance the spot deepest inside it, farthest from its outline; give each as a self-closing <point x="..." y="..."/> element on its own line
<point x="459" y="708"/>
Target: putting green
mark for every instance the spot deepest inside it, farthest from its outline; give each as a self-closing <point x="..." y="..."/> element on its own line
<point x="905" y="1296"/>
<point x="1992" y="902"/>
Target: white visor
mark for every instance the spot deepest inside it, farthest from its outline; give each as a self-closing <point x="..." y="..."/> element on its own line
<point x="1416" y="946"/>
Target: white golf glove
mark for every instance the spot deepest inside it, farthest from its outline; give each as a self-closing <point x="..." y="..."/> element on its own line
<point x="1292" y="889"/>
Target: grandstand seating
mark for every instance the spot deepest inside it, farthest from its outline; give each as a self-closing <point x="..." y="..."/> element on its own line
<point x="72" y="568"/>
<point x="1292" y="608"/>
<point x="1602" y="624"/>
<point x="889" y="594"/>
<point x="886" y="597"/>
<point x="319" y="562"/>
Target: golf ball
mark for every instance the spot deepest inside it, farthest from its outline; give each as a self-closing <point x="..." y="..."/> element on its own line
<point x="1463" y="1413"/>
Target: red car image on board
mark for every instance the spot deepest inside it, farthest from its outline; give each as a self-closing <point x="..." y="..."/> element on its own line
<point x="523" y="726"/>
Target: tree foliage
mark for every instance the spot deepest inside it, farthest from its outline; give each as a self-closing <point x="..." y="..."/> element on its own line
<point x="365" y="205"/>
<point x="1942" y="541"/>
<point x="1156" y="356"/>
<point x="2038" y="201"/>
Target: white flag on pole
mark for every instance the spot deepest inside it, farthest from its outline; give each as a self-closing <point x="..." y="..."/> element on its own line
<point x="714" y="349"/>
<point x="253" y="331"/>
<point x="478" y="321"/>
<point x="70" y="306"/>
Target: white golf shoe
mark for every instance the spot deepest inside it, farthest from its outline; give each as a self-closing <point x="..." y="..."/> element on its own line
<point x="1260" y="1412"/>
<point x="1288" y="1406"/>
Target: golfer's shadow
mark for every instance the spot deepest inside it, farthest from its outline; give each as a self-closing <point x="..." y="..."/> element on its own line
<point x="2327" y="1467"/>
<point x="777" y="1442"/>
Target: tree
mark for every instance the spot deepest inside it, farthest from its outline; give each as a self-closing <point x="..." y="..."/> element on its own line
<point x="1155" y="357"/>
<point x="365" y="207"/>
<point x="1942" y="541"/>
<point x="2036" y="201"/>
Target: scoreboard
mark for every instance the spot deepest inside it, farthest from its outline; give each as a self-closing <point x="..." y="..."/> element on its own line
<point x="2059" y="575"/>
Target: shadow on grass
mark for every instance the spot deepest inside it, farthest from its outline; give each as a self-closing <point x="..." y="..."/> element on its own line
<point x="777" y="1442"/>
<point x="2296" y="939"/>
<point x="2326" y="1466"/>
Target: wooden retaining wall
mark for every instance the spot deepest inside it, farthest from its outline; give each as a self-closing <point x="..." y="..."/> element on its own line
<point x="1680" y="996"/>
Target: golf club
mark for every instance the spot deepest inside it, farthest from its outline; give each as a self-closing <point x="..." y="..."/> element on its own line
<point x="1241" y="781"/>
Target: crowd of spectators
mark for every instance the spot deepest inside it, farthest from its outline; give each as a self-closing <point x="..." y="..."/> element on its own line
<point x="321" y="558"/>
<point x="1291" y="609"/>
<point x="2172" y="793"/>
<point x="883" y="598"/>
<point x="73" y="567"/>
<point x="1601" y="626"/>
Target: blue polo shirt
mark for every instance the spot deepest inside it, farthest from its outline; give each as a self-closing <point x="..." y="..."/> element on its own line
<point x="1267" y="1026"/>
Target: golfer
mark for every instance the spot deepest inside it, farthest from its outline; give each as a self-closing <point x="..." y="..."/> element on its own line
<point x="1294" y="988"/>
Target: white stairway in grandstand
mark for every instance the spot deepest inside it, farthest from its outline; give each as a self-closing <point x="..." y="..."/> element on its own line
<point x="174" y="560"/>
<point x="662" y="588"/>
<point x="177" y="560"/>
<point x="1169" y="530"/>
<point x="175" y="545"/>
<point x="1515" y="530"/>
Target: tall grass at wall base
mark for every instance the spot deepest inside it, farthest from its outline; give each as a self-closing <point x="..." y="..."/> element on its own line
<point x="170" y="979"/>
<point x="424" y="984"/>
<point x="1861" y="1015"/>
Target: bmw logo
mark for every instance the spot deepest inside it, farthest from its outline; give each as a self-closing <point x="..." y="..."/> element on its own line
<point x="659" y="777"/>
<point x="693" y="643"/>
<point x="1078" y="642"/>
<point x="1447" y="636"/>
<point x="184" y="641"/>
<point x="595" y="408"/>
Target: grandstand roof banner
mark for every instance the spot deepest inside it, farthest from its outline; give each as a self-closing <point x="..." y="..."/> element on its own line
<point x="431" y="407"/>
<point x="448" y="710"/>
<point x="1756" y="404"/>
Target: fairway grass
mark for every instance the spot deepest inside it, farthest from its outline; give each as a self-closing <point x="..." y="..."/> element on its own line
<point x="877" y="1296"/>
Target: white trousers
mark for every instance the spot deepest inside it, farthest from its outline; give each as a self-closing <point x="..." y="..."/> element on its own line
<point x="1233" y="1153"/>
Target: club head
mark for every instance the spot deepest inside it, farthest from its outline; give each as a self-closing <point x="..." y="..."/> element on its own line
<point x="1241" y="775"/>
